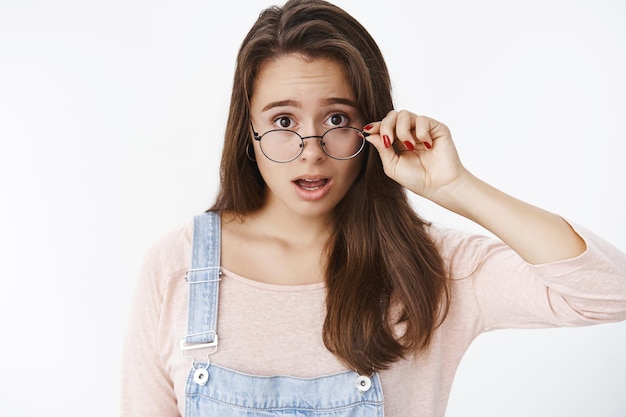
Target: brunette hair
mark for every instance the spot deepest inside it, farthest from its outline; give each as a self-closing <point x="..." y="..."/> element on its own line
<point x="383" y="268"/>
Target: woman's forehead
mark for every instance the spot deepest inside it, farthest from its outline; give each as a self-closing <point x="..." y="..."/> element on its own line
<point x="292" y="80"/>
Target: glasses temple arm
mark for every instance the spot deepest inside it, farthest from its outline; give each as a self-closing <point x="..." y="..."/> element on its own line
<point x="254" y="132"/>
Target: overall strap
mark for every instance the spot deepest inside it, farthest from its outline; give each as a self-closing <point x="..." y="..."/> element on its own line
<point x="203" y="283"/>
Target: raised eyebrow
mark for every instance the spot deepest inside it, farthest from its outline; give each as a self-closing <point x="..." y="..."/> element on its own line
<point x="324" y="102"/>
<point x="338" y="100"/>
<point x="281" y="103"/>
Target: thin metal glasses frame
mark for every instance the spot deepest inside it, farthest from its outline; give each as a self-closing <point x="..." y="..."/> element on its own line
<point x="364" y="134"/>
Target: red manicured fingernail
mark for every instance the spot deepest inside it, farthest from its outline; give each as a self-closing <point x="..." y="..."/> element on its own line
<point x="427" y="145"/>
<point x="368" y="127"/>
<point x="386" y="141"/>
<point x="409" y="145"/>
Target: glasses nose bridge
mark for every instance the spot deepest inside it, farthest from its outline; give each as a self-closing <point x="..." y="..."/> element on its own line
<point x="311" y="137"/>
<point x="319" y="137"/>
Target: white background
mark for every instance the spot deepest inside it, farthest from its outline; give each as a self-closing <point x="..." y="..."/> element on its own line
<point x="111" y="118"/>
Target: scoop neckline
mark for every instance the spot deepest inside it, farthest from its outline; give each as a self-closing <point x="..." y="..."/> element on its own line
<point x="273" y="287"/>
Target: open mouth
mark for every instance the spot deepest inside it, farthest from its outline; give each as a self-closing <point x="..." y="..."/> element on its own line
<point x="311" y="184"/>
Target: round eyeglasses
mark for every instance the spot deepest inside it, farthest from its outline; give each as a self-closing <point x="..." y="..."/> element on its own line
<point x="284" y="145"/>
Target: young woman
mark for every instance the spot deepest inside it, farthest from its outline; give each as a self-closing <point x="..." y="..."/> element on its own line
<point x="311" y="287"/>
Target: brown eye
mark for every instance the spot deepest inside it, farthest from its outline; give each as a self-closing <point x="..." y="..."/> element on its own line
<point x="284" y="122"/>
<point x="337" y="120"/>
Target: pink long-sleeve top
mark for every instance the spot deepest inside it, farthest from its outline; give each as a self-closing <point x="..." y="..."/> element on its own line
<point x="277" y="330"/>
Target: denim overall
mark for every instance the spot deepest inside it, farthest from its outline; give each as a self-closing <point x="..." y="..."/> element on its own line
<point x="213" y="391"/>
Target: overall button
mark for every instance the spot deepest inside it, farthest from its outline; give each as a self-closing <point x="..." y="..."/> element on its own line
<point x="363" y="383"/>
<point x="201" y="376"/>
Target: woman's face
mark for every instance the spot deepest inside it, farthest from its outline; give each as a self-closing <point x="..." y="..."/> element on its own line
<point x="309" y="96"/>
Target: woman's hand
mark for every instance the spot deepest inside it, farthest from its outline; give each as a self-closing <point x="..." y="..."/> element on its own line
<point x="418" y="153"/>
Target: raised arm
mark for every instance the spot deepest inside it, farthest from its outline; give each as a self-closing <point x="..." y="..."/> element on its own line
<point x="418" y="152"/>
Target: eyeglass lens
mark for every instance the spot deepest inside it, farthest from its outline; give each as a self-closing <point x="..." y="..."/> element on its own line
<point x="286" y="145"/>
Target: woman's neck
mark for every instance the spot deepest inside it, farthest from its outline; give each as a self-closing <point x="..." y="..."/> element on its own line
<point x="288" y="226"/>
<point x="272" y="247"/>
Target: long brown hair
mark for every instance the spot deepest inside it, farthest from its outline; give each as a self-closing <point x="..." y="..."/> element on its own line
<point x="383" y="268"/>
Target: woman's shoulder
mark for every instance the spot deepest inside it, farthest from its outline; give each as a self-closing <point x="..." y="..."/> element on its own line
<point x="450" y="240"/>
<point x="462" y="250"/>
<point x="170" y="254"/>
